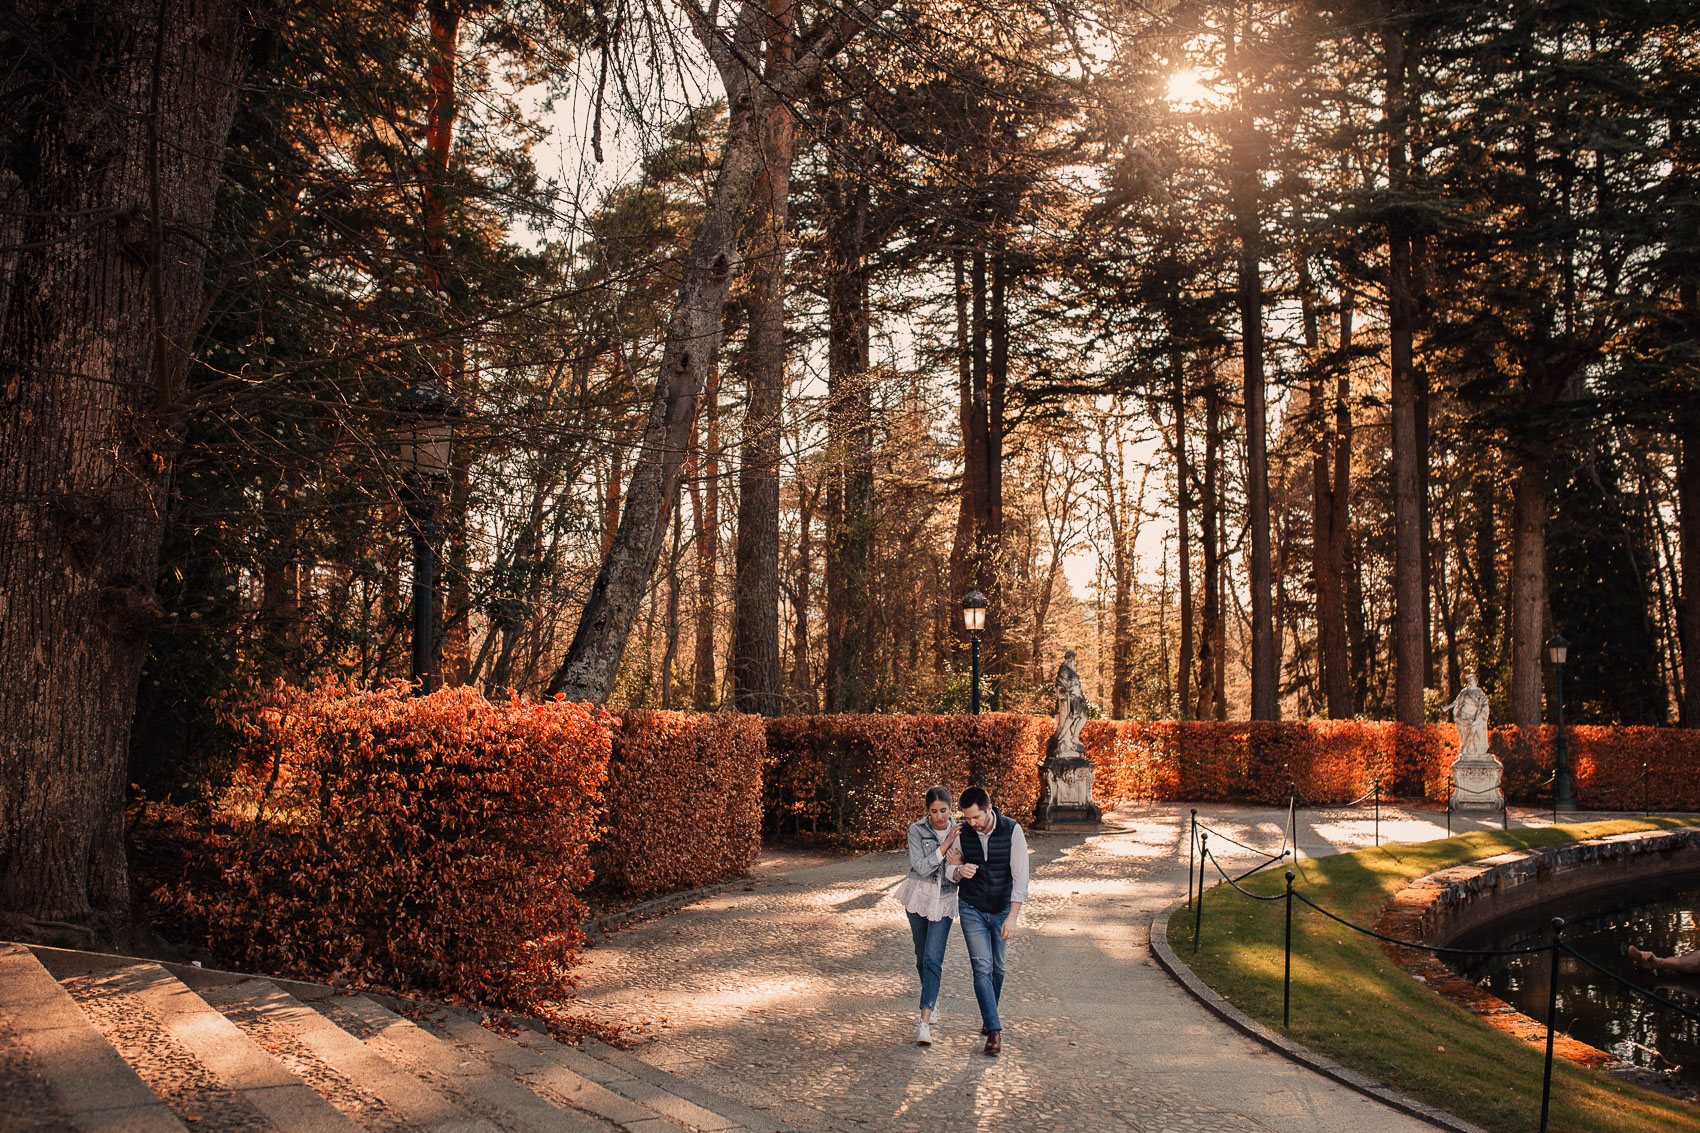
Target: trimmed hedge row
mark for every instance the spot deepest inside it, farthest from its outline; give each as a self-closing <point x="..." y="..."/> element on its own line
<point x="684" y="799"/>
<point x="1330" y="761"/>
<point x="427" y="845"/>
<point x="440" y="845"/>
<point x="859" y="780"/>
<point x="1333" y="761"/>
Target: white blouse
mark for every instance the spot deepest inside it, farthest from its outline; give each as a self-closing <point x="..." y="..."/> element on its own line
<point x="927" y="897"/>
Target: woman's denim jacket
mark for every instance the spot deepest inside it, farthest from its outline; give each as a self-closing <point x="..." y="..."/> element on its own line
<point x="926" y="860"/>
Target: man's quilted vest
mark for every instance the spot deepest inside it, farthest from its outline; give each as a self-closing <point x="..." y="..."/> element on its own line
<point x="989" y="889"/>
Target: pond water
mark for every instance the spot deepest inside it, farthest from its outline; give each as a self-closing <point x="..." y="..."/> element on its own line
<point x="1592" y="1007"/>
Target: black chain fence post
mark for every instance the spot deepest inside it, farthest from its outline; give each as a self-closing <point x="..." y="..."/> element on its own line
<point x="1646" y="792"/>
<point x="1191" y="841"/>
<point x="1287" y="976"/>
<point x="1552" y="1019"/>
<point x="1377" y="813"/>
<point x="1198" y="905"/>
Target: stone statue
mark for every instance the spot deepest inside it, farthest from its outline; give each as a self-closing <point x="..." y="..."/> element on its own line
<point x="1065" y="778"/>
<point x="1071" y="707"/>
<point x="1476" y="775"/>
<point x="1470" y="713"/>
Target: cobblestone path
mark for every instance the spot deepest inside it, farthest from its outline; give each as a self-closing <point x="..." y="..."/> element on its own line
<point x="797" y="991"/>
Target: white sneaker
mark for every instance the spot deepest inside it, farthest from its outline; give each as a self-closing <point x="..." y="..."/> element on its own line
<point x="924" y="1035"/>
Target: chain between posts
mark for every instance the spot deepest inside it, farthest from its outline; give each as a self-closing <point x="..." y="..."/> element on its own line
<point x="1553" y="947"/>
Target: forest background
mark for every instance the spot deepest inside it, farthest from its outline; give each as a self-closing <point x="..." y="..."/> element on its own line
<point x="1283" y="359"/>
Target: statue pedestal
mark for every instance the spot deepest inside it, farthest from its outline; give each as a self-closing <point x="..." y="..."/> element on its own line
<point x="1065" y="791"/>
<point x="1476" y="783"/>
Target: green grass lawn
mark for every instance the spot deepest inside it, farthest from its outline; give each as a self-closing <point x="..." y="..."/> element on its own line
<point x="1355" y="1005"/>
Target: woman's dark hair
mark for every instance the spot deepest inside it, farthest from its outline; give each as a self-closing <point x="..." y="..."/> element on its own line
<point x="937" y="795"/>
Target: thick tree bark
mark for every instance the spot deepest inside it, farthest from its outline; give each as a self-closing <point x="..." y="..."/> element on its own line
<point x="850" y="442"/>
<point x="705" y="500"/>
<point x="1332" y="612"/>
<point x="671" y="653"/>
<point x="110" y="141"/>
<point x="802" y="680"/>
<point x="1210" y="635"/>
<point x="1244" y="173"/>
<point x="1528" y="591"/>
<point x="991" y="534"/>
<point x="1410" y="649"/>
<point x="442" y="276"/>
<point x="757" y="671"/>
<point x="1183" y="509"/>
<point x="1688" y="538"/>
<point x="1331" y="477"/>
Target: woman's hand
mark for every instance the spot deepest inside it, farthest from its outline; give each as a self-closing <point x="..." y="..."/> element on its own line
<point x="953" y="856"/>
<point x="950" y="839"/>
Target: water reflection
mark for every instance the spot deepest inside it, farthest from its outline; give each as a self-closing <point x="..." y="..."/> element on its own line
<point x="1591" y="1007"/>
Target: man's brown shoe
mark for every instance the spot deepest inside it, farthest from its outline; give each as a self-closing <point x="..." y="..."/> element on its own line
<point x="994" y="1042"/>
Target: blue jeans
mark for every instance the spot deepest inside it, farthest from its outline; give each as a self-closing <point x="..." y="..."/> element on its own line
<point x="983" y="933"/>
<point x="929" y="955"/>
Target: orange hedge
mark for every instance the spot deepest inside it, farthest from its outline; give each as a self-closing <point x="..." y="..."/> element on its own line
<point x="860" y="780"/>
<point x="1333" y="761"/>
<point x="1330" y="761"/>
<point x="427" y="845"/>
<point x="1606" y="765"/>
<point x="684" y="801"/>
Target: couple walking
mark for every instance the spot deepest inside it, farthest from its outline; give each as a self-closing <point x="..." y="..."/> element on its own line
<point x="976" y="868"/>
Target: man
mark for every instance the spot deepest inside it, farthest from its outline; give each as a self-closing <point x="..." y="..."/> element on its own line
<point x="990" y="862"/>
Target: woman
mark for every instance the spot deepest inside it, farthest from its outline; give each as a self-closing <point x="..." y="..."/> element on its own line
<point x="930" y="900"/>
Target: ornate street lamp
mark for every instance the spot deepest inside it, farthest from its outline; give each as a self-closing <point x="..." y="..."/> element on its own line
<point x="974" y="618"/>
<point x="1558" y="650"/>
<point x="425" y="420"/>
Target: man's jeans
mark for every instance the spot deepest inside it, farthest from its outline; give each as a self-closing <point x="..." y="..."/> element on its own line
<point x="983" y="933"/>
<point x="930" y="937"/>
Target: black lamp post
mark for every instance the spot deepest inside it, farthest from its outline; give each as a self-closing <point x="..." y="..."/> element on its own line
<point x="974" y="618"/>
<point x="425" y="416"/>
<point x="1557" y="650"/>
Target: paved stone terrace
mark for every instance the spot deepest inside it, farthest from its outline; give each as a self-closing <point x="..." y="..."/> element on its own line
<point x="797" y="993"/>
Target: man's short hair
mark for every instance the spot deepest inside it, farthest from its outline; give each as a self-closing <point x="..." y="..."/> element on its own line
<point x="975" y="796"/>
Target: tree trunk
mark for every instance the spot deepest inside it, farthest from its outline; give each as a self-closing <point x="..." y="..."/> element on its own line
<point x="1528" y="591"/>
<point x="1410" y="650"/>
<point x="802" y="682"/>
<point x="1340" y="702"/>
<point x="671" y="653"/>
<point x="1331" y="468"/>
<point x="1183" y="523"/>
<point x="850" y="467"/>
<point x="1688" y="538"/>
<point x="455" y="661"/>
<point x="991" y="533"/>
<point x="688" y="352"/>
<point x="110" y="143"/>
<point x="1209" y="520"/>
<point x="1265" y="690"/>
<point x="705" y="497"/>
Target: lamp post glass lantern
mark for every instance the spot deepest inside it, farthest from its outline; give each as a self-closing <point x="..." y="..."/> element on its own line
<point x="425" y="417"/>
<point x="974" y="619"/>
<point x="1558" y="651"/>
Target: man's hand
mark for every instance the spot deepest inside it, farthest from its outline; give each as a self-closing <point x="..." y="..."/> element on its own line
<point x="1010" y="924"/>
<point x="963" y="873"/>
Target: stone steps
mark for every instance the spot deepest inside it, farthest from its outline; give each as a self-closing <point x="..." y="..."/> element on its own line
<point x="95" y="1042"/>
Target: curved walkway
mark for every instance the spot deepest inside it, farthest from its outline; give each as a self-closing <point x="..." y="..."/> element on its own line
<point x="795" y="993"/>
